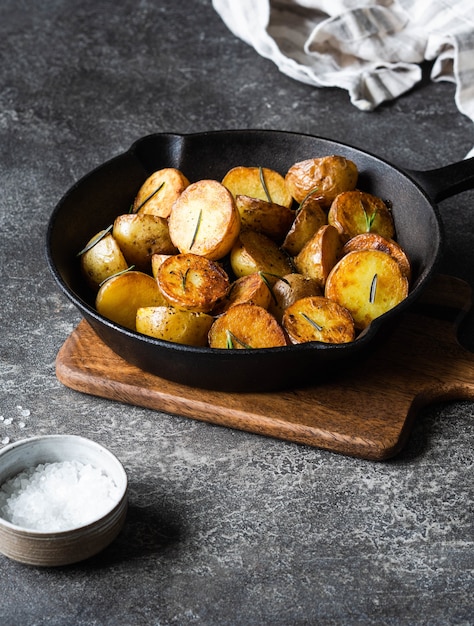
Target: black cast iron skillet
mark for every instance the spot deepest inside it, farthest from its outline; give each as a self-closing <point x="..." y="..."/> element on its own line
<point x="94" y="202"/>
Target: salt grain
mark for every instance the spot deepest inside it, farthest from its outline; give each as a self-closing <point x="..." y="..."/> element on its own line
<point x="57" y="496"/>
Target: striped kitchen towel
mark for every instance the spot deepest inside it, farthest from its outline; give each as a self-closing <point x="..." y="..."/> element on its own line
<point x="371" y="48"/>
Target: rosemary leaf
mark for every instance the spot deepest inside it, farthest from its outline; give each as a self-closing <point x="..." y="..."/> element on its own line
<point x="369" y="219"/>
<point x="373" y="289"/>
<point x="310" y="193"/>
<point x="150" y="196"/>
<point x="231" y="339"/>
<point x="264" y="184"/>
<point x="96" y="239"/>
<point x="198" y="224"/>
<point x="183" y="279"/>
<point x="128" y="269"/>
<point x="312" y="322"/>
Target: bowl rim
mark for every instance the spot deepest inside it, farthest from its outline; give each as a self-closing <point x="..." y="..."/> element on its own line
<point x="110" y="514"/>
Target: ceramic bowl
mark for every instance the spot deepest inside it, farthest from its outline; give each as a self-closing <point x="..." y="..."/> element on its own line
<point x="71" y="545"/>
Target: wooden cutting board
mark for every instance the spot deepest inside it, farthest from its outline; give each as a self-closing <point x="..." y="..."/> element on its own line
<point x="365" y="413"/>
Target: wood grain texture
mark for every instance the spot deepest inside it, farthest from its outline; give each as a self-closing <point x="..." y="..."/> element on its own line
<point x="365" y="413"/>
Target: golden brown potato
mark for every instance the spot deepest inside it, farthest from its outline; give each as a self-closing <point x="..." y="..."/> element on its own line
<point x="140" y="236"/>
<point x="316" y="318"/>
<point x="192" y="282"/>
<point x="120" y="297"/>
<point x="288" y="290"/>
<point x="268" y="218"/>
<point x="254" y="252"/>
<point x="204" y="220"/>
<point x="320" y="254"/>
<point x="258" y="182"/>
<point x="180" y="326"/>
<point x="325" y="176"/>
<point x="246" y="325"/>
<point x="158" y="193"/>
<point x="252" y="288"/>
<point x="373" y="241"/>
<point x="368" y="283"/>
<point x="355" y="212"/>
<point x="101" y="260"/>
<point x="308" y="220"/>
<point x="156" y="261"/>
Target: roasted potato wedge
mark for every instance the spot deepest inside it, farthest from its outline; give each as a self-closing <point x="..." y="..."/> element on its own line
<point x="316" y="318"/>
<point x="101" y="260"/>
<point x="192" y="282"/>
<point x="320" y="254"/>
<point x="368" y="283"/>
<point x="156" y="261"/>
<point x="246" y="325"/>
<point x="204" y="220"/>
<point x="373" y="241"/>
<point x="120" y="297"/>
<point x="140" y="236"/>
<point x="326" y="176"/>
<point x="308" y="220"/>
<point x="355" y="212"/>
<point x="258" y="182"/>
<point x="252" y="288"/>
<point x="288" y="290"/>
<point x="160" y="190"/>
<point x="171" y="324"/>
<point x="265" y="217"/>
<point x="255" y="252"/>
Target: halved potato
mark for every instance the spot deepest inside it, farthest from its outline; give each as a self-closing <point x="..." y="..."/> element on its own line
<point x="320" y="254"/>
<point x="120" y="297"/>
<point x="265" y="217"/>
<point x="101" y="260"/>
<point x="355" y="212"/>
<point x="158" y="193"/>
<point x="373" y="241"/>
<point x="327" y="176"/>
<point x="246" y="325"/>
<point x="288" y="290"/>
<point x="317" y="318"/>
<point x="256" y="182"/>
<point x="204" y="220"/>
<point x="308" y="220"/>
<point x="192" y="282"/>
<point x="255" y="252"/>
<point x="180" y="326"/>
<point x="368" y="283"/>
<point x="252" y="288"/>
<point x="140" y="236"/>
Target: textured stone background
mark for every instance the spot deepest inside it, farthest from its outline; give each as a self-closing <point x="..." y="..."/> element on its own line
<point x="224" y="527"/>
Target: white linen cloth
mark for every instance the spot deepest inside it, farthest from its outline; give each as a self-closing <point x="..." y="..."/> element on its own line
<point x="371" y="48"/>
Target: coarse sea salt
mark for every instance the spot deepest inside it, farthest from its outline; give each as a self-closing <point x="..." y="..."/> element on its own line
<point x="59" y="496"/>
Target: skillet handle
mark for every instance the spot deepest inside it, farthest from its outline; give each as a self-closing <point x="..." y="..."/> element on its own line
<point x="446" y="181"/>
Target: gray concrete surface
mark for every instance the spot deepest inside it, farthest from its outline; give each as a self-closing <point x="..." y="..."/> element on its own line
<point x="224" y="527"/>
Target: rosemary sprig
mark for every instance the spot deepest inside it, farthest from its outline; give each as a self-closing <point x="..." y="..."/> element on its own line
<point x="128" y="269"/>
<point x="150" y="197"/>
<point x="264" y="184"/>
<point x="369" y="219"/>
<point x="267" y="282"/>
<point x="96" y="239"/>
<point x="231" y="338"/>
<point x="184" y="278"/>
<point x="312" y="322"/>
<point x="310" y="193"/>
<point x="198" y="224"/>
<point x="373" y="289"/>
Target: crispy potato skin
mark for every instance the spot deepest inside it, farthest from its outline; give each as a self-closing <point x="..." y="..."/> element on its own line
<point x="355" y="212"/>
<point x="192" y="282"/>
<point x="246" y="325"/>
<point x="140" y="236"/>
<point x="204" y="220"/>
<point x="308" y="220"/>
<point x="170" y="324"/>
<point x="373" y="241"/>
<point x="317" y="318"/>
<point x="268" y="218"/>
<point x="288" y="290"/>
<point x="102" y="261"/>
<point x="255" y="252"/>
<point x="320" y="254"/>
<point x="368" y="283"/>
<point x="160" y="190"/>
<point x="121" y="296"/>
<point x="247" y="181"/>
<point x="252" y="288"/>
<point x="329" y="175"/>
